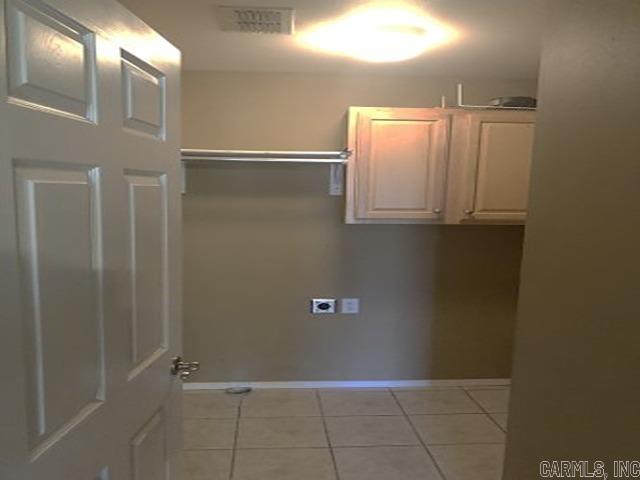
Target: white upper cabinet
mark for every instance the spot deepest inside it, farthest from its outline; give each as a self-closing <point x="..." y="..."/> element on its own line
<point x="397" y="172"/>
<point x="491" y="167"/>
<point x="433" y="165"/>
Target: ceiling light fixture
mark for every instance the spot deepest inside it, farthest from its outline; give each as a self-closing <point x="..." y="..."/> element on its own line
<point x="379" y="34"/>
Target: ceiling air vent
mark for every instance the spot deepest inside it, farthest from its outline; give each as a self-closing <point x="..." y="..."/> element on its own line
<point x="256" y="19"/>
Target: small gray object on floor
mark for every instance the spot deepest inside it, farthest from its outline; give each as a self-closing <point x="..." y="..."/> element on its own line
<point x="238" y="390"/>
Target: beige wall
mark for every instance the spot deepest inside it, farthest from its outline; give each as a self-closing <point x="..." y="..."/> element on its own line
<point x="260" y="241"/>
<point x="576" y="392"/>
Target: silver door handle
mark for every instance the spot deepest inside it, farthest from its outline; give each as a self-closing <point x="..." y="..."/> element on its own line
<point x="183" y="369"/>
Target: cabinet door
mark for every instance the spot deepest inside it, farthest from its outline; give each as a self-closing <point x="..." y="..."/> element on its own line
<point x="498" y="166"/>
<point x="397" y="173"/>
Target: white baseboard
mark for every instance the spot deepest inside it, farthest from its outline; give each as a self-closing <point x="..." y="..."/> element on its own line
<point x="470" y="382"/>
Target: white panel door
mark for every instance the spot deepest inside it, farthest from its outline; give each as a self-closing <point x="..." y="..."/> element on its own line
<point x="498" y="166"/>
<point x="89" y="244"/>
<point x="397" y="173"/>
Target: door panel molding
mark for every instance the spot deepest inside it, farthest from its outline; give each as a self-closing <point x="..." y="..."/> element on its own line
<point x="149" y="450"/>
<point x="148" y="266"/>
<point x="51" y="61"/>
<point x="58" y="205"/>
<point x="144" y="96"/>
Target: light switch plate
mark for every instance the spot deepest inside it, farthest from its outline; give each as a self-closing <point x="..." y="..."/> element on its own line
<point x="350" y="305"/>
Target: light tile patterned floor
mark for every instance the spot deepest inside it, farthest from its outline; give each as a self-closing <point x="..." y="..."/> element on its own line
<point x="359" y="434"/>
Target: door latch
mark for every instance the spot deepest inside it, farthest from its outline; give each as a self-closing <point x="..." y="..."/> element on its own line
<point x="183" y="369"/>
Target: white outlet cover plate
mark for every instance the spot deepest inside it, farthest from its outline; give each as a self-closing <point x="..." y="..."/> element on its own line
<point x="350" y="305"/>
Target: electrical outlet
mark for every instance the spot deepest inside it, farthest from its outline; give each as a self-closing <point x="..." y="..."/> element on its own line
<point x="323" y="305"/>
<point x="350" y="305"/>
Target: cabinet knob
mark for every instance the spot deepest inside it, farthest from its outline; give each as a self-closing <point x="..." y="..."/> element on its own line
<point x="468" y="211"/>
<point x="437" y="210"/>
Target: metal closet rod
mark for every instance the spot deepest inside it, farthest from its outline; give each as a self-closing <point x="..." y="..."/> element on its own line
<point x="331" y="157"/>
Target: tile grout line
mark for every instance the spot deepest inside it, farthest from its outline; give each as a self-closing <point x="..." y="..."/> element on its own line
<point x="488" y="414"/>
<point x="415" y="432"/>
<point x="504" y="444"/>
<point x="318" y="416"/>
<point x="234" y="448"/>
<point x="378" y="445"/>
<point x="440" y="414"/>
<point x="326" y="434"/>
<point x="496" y="422"/>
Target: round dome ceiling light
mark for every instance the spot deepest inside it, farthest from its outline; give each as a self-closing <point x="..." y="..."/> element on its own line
<point x="379" y="34"/>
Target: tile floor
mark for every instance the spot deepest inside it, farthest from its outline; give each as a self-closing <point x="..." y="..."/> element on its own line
<point x="359" y="434"/>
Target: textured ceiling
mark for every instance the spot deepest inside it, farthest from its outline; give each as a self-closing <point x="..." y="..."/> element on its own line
<point x="499" y="38"/>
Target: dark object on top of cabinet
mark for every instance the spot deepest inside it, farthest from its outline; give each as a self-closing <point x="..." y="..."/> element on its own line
<point x="523" y="102"/>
